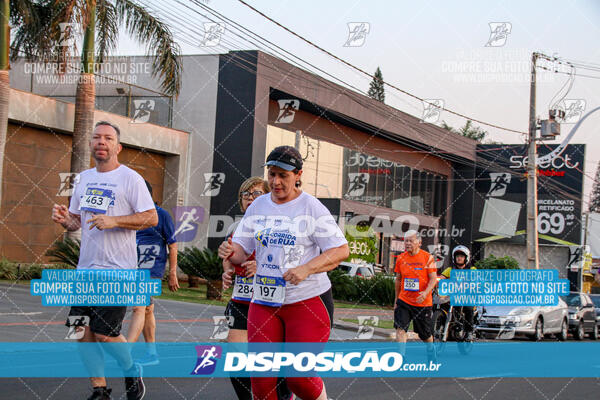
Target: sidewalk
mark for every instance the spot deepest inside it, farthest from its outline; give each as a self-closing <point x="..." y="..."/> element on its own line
<point x="354" y="313"/>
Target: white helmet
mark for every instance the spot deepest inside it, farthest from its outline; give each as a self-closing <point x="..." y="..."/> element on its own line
<point x="462" y="249"/>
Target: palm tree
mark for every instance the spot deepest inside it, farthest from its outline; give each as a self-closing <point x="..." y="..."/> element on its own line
<point x="100" y="20"/>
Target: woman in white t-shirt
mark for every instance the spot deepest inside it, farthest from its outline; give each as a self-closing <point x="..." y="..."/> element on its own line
<point x="296" y="241"/>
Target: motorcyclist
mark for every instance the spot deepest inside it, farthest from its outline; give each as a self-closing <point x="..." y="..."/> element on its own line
<point x="461" y="256"/>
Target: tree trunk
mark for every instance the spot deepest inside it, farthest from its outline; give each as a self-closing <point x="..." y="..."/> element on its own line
<point x="84" y="122"/>
<point x="214" y="289"/>
<point x="85" y="99"/>
<point x="193" y="281"/>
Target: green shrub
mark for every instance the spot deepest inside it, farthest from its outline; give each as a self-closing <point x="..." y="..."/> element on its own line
<point x="378" y="290"/>
<point x="65" y="251"/>
<point x="342" y="286"/>
<point x="8" y="270"/>
<point x="492" y="262"/>
<point x="22" y="271"/>
<point x="201" y="263"/>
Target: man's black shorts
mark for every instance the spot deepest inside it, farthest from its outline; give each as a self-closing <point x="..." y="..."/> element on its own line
<point x="104" y="320"/>
<point x="420" y="316"/>
<point x="237" y="314"/>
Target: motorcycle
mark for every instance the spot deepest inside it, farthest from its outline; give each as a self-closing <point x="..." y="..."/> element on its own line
<point x="449" y="324"/>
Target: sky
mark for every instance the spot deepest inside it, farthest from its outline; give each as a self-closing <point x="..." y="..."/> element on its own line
<point x="432" y="49"/>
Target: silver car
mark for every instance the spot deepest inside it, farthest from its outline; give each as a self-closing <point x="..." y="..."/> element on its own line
<point x="532" y="321"/>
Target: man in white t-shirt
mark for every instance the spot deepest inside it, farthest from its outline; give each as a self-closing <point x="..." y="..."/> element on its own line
<point x="110" y="202"/>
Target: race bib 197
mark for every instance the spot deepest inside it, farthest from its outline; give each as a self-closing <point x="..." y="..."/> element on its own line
<point x="269" y="290"/>
<point x="242" y="289"/>
<point x="96" y="200"/>
<point x="411" y="284"/>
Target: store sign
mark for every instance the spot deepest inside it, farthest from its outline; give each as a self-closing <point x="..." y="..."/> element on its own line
<point x="502" y="179"/>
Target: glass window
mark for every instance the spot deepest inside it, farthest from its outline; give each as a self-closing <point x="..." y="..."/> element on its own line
<point x="428" y="192"/>
<point x="401" y="189"/>
<point x="416" y="192"/>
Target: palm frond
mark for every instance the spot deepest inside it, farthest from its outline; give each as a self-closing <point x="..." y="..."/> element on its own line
<point x="107" y="29"/>
<point x="150" y="31"/>
<point x="65" y="251"/>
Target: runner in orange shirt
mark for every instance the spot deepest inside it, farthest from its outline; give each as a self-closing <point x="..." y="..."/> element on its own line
<point x="415" y="279"/>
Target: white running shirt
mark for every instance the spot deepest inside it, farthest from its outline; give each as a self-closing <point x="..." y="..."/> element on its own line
<point x="287" y="235"/>
<point x="121" y="191"/>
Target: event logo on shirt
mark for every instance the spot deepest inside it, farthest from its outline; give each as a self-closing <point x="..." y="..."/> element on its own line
<point x="213" y="183"/>
<point x="267" y="237"/>
<point x="187" y="219"/>
<point x="148" y="253"/>
<point x="263" y="237"/>
<point x="207" y="359"/>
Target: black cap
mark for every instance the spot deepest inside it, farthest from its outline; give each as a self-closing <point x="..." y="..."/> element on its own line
<point x="285" y="157"/>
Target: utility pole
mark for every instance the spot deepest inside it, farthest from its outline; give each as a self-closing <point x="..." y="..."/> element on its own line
<point x="532" y="228"/>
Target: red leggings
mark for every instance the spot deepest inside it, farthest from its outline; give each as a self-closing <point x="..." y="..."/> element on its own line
<point x="304" y="321"/>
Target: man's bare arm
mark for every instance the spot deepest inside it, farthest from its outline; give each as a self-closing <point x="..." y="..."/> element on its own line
<point x="62" y="215"/>
<point x="136" y="222"/>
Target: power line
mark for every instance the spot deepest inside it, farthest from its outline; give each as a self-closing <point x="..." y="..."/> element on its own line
<point x="371" y="76"/>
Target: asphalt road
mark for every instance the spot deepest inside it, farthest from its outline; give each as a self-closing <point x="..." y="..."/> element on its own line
<point x="23" y="319"/>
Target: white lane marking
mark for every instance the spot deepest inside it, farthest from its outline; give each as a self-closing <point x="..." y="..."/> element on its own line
<point x="21" y="313"/>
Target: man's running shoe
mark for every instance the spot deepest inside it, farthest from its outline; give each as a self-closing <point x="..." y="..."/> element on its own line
<point x="134" y="384"/>
<point x="150" y="359"/>
<point x="100" y="393"/>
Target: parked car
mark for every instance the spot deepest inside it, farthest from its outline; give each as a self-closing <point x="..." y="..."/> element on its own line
<point x="582" y="315"/>
<point x="596" y="300"/>
<point x="533" y="322"/>
<point x="361" y="270"/>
